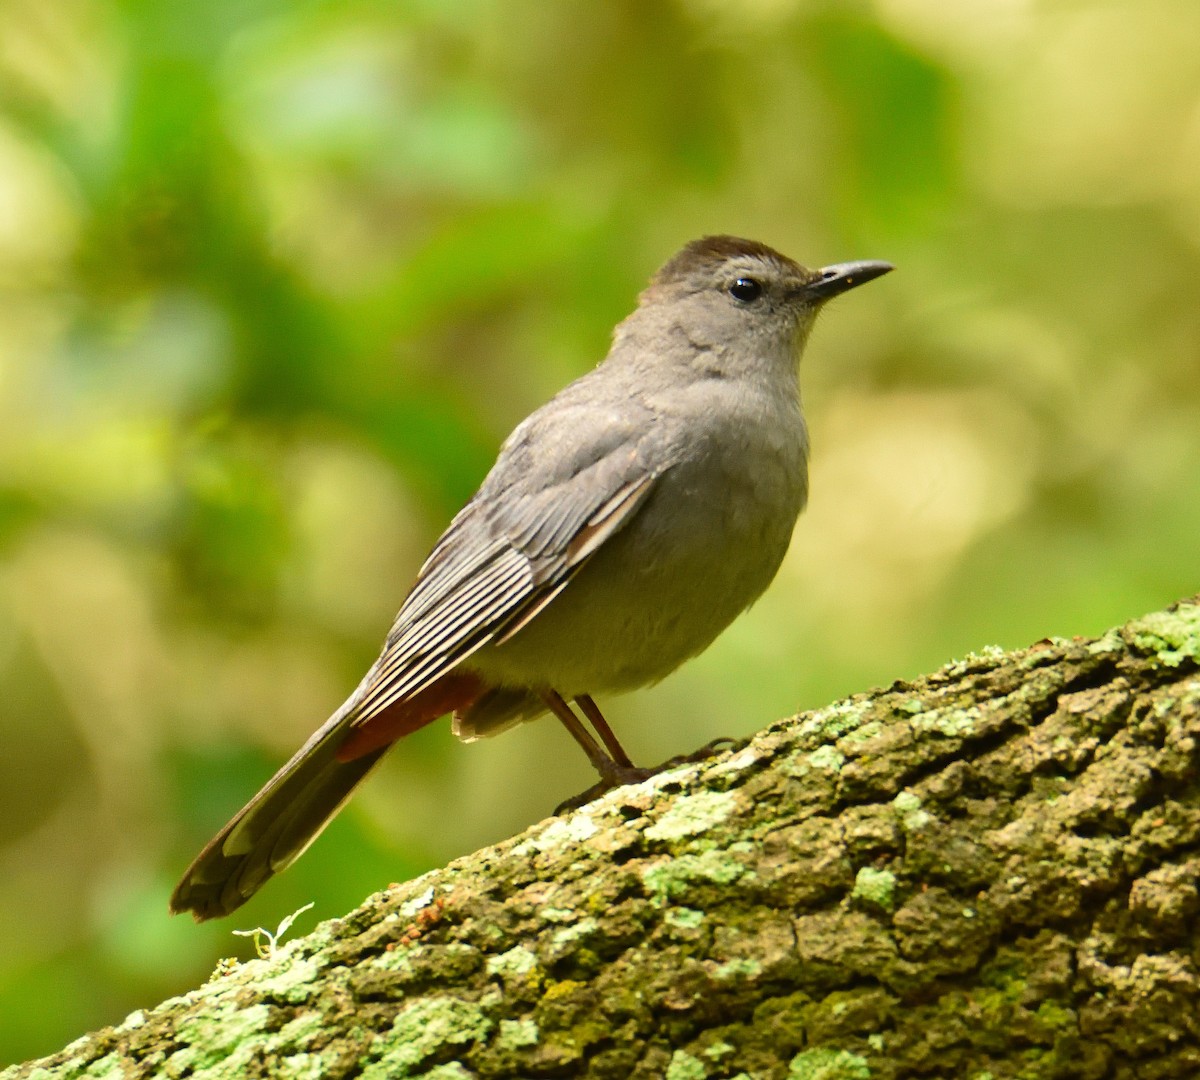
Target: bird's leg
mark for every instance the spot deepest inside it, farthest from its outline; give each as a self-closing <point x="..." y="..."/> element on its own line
<point x="613" y="773"/>
<point x="601" y="762"/>
<point x="592" y="711"/>
<point x="615" y="767"/>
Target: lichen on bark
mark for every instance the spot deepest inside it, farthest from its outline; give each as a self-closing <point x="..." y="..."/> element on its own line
<point x="987" y="872"/>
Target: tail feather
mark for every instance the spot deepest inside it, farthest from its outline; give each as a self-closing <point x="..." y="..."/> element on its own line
<point x="276" y="826"/>
<point x="271" y="831"/>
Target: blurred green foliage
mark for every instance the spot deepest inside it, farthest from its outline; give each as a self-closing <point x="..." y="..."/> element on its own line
<point x="276" y="279"/>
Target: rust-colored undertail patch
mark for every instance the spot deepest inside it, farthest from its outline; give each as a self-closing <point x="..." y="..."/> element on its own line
<point x="457" y="690"/>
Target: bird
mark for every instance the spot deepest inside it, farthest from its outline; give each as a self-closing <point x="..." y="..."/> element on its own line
<point x="623" y="526"/>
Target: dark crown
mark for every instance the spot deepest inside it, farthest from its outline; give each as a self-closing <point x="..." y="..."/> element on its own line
<point x="711" y="251"/>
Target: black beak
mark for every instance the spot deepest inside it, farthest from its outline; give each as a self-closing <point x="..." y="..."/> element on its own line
<point x="843" y="276"/>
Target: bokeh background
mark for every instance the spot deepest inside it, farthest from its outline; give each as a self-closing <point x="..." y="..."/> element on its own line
<point x="277" y="278"/>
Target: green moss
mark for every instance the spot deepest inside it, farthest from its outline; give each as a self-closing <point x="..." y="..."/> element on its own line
<point x="693" y="814"/>
<point x="569" y="1026"/>
<point x="512" y="964"/>
<point x="561" y="832"/>
<point x="876" y="887"/>
<point x="800" y="763"/>
<point x="451" y="1071"/>
<point x="868" y="731"/>
<point x="582" y="928"/>
<point x="952" y="722"/>
<point x="828" y="758"/>
<point x="515" y="1034"/>
<point x="908" y="806"/>
<point x="684" y="917"/>
<point x="745" y="966"/>
<point x="424" y="1028"/>
<point x="398" y="959"/>
<point x="987" y="656"/>
<point x="675" y="876"/>
<point x="1173" y="635"/>
<point x="302" y="1067"/>
<point x="415" y="961"/>
<point x="834" y="721"/>
<point x="300" y="1031"/>
<point x="1055" y="1018"/>
<point x="292" y="980"/>
<point x="823" y="1064"/>
<point x="994" y="1005"/>
<point x="1111" y="642"/>
<point x="214" y="1037"/>
<point x="685" y="1067"/>
<point x="109" y="1067"/>
<point x="906" y="802"/>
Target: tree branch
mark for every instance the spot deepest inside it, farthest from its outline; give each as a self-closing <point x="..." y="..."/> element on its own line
<point x="987" y="872"/>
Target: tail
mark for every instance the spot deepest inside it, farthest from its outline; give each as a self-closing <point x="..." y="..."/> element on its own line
<point x="275" y="828"/>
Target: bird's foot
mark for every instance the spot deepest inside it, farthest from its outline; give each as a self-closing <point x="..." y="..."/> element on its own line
<point x="615" y="776"/>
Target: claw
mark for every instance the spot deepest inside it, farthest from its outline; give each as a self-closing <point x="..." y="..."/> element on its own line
<point x="615" y="776"/>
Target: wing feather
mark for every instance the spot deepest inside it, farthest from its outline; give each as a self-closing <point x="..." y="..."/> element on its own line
<point x="566" y="480"/>
<point x="487" y="595"/>
<point x="428" y="649"/>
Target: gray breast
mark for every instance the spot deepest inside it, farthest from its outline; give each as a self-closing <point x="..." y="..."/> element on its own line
<point x="706" y="543"/>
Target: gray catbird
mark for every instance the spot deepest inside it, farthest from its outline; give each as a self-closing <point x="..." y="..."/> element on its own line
<point x="623" y="527"/>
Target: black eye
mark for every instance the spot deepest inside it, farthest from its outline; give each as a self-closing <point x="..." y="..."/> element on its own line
<point x="745" y="289"/>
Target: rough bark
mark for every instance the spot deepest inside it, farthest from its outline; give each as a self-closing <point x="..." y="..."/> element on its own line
<point x="990" y="872"/>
